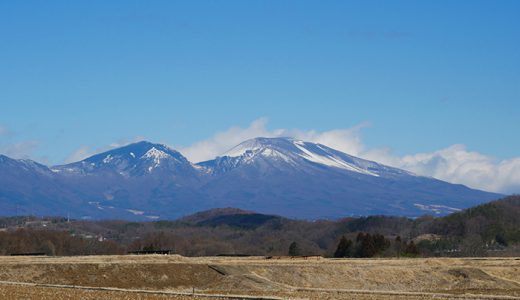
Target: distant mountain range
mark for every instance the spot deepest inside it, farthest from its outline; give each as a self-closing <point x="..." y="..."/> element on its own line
<point x="280" y="176"/>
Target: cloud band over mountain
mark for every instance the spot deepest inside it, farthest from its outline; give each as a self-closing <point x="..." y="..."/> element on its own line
<point x="454" y="164"/>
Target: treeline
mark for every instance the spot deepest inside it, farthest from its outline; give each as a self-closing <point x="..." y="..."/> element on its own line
<point x="490" y="229"/>
<point x="53" y="243"/>
<point x="370" y="245"/>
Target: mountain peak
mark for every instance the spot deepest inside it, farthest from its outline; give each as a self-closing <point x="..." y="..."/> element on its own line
<point x="260" y="143"/>
<point x="136" y="158"/>
<point x="135" y="151"/>
<point x="270" y="175"/>
<point x="298" y="153"/>
<point x="156" y="154"/>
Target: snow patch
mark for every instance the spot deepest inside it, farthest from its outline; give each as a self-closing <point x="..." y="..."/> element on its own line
<point x="243" y="148"/>
<point x="436" y="208"/>
<point x="267" y="152"/>
<point x="96" y="204"/>
<point x="135" y="212"/>
<point x="108" y="159"/>
<point x="156" y="155"/>
<point x="330" y="160"/>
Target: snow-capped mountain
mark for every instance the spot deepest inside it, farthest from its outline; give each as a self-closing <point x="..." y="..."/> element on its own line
<point x="283" y="176"/>
<point x="298" y="155"/>
<point x="135" y="159"/>
<point x="140" y="180"/>
<point x="301" y="179"/>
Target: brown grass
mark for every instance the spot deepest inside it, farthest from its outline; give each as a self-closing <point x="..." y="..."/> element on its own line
<point x="16" y="292"/>
<point x="315" y="278"/>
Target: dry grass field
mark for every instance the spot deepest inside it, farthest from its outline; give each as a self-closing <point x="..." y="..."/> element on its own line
<point x="176" y="277"/>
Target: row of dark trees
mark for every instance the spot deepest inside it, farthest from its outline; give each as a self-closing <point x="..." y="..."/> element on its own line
<point x="370" y="245"/>
<point x="367" y="245"/>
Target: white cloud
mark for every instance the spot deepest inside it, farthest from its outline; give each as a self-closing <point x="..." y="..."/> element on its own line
<point x="79" y="154"/>
<point x="21" y="149"/>
<point x="347" y="140"/>
<point x="16" y="148"/>
<point x="454" y="164"/>
<point x="225" y="140"/>
<point x="459" y="165"/>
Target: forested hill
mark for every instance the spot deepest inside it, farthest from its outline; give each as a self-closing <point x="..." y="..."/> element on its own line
<point x="498" y="220"/>
<point x="489" y="229"/>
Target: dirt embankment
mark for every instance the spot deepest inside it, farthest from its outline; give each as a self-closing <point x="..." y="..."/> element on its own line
<point x="311" y="278"/>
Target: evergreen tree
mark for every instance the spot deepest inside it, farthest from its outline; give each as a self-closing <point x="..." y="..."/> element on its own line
<point x="398" y="246"/>
<point x="360" y="237"/>
<point x="380" y="243"/>
<point x="294" y="249"/>
<point x="368" y="248"/>
<point x="411" y="249"/>
<point x="499" y="238"/>
<point x="344" y="248"/>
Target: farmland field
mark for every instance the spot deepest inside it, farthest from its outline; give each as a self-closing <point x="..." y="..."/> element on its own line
<point x="177" y="277"/>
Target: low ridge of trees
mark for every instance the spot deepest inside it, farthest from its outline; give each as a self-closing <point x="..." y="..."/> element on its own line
<point x="489" y="229"/>
<point x="365" y="245"/>
<point x="52" y="243"/>
<point x="369" y="245"/>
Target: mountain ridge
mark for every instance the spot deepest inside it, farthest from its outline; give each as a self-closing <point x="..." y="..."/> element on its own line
<point x="282" y="176"/>
<point x="127" y="157"/>
<point x="292" y="151"/>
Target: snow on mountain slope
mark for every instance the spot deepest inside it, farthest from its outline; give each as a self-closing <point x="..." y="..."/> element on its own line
<point x="297" y="154"/>
<point x="134" y="159"/>
<point x="270" y="175"/>
<point x="329" y="159"/>
<point x="156" y="156"/>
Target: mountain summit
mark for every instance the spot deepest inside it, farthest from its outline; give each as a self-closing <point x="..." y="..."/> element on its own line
<point x="298" y="155"/>
<point x="303" y="179"/>
<point x="282" y="176"/>
<point x="135" y="159"/>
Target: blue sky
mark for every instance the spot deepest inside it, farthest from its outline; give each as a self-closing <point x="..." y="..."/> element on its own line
<point x="424" y="75"/>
